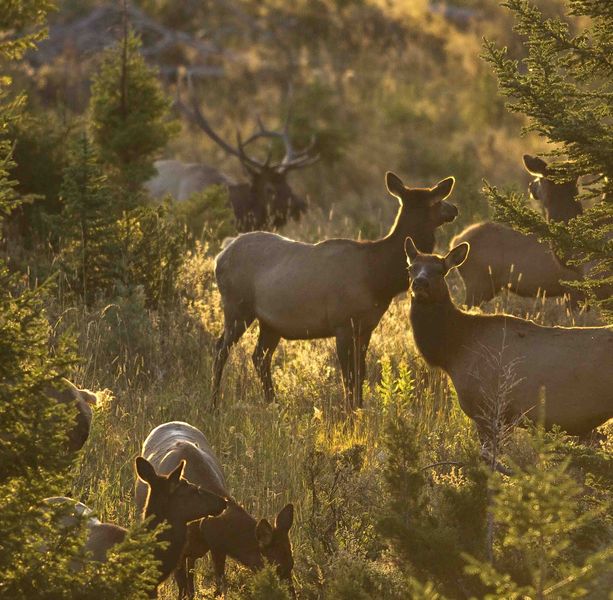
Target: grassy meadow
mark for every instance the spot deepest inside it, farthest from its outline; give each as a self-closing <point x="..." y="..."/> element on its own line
<point x="156" y="368"/>
<point x="392" y="501"/>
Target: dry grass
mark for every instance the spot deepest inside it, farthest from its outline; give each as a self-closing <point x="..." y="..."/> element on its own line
<point x="157" y="369"/>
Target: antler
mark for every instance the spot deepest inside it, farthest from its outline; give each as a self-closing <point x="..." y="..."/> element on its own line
<point x="194" y="114"/>
<point x="293" y="159"/>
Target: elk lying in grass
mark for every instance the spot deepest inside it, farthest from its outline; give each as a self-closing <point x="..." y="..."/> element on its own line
<point x="572" y="364"/>
<point x="337" y="288"/>
<point x="66" y="392"/>
<point x="502" y="258"/>
<point x="169" y="499"/>
<point x="235" y="532"/>
<point x="266" y="201"/>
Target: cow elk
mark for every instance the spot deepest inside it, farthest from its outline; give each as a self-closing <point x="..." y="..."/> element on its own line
<point x="336" y="288"/>
<point x="502" y="258"/>
<point x="65" y="392"/>
<point x="266" y="201"/>
<point x="233" y="533"/>
<point x="507" y="360"/>
<point x="169" y="499"/>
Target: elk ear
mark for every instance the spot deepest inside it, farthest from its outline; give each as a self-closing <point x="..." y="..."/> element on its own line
<point x="285" y="518"/>
<point x="263" y="533"/>
<point x="443" y="188"/>
<point x="535" y="165"/>
<point x="177" y="473"/>
<point x="394" y="185"/>
<point x="457" y="255"/>
<point x="410" y="250"/>
<point x="145" y="470"/>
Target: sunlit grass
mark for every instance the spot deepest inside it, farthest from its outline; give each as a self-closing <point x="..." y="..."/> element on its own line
<point x="158" y="368"/>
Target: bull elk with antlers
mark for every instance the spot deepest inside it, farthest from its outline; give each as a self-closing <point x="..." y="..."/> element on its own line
<point x="267" y="200"/>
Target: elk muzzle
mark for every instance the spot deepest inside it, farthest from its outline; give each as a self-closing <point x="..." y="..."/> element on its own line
<point x="448" y="211"/>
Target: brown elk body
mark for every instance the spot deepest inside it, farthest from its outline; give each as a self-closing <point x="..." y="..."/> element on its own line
<point x="337" y="288"/>
<point x="501" y="358"/>
<point x="267" y="200"/>
<point x="502" y="258"/>
<point x="169" y="499"/>
<point x="233" y="533"/>
<point x="66" y="392"/>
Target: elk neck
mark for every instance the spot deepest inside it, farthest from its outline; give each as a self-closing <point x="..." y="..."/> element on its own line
<point x="175" y="535"/>
<point x="439" y="330"/>
<point x="566" y="207"/>
<point x="388" y="260"/>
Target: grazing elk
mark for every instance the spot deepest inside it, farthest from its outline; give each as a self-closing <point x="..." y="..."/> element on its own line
<point x="502" y="258"/>
<point x="169" y="499"/>
<point x="337" y="288"/>
<point x="66" y="392"/>
<point x="234" y="532"/>
<point x="501" y="358"/>
<point x="266" y="201"/>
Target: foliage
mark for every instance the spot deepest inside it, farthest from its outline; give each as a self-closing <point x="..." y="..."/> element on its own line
<point x="40" y="154"/>
<point x="153" y="244"/>
<point x="16" y="17"/>
<point x="208" y="215"/>
<point x="37" y="554"/>
<point x="129" y="114"/>
<point x="88" y="225"/>
<point x="430" y="520"/>
<point x="264" y="585"/>
<point x="564" y="86"/>
<point x="537" y="511"/>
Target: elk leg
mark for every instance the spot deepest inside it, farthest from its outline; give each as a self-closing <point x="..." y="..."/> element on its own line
<point x="262" y="358"/>
<point x="219" y="566"/>
<point x="234" y="329"/>
<point x="345" y="350"/>
<point x="184" y="578"/>
<point x="362" y="343"/>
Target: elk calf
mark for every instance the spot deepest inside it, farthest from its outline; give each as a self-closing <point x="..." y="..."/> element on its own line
<point x="337" y="288"/>
<point x="573" y="364"/>
<point x="233" y="533"/>
<point x="169" y="499"/>
<point x="502" y="258"/>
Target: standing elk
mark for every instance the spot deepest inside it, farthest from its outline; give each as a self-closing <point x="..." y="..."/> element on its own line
<point x="336" y="288"/>
<point x="170" y="499"/>
<point x="502" y="258"/>
<point x="233" y="533"/>
<point x="266" y="201"/>
<point x="573" y="364"/>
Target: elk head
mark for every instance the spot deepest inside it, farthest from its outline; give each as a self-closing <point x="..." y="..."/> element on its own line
<point x="275" y="544"/>
<point x="559" y="200"/>
<point x="174" y="499"/>
<point x="268" y="199"/>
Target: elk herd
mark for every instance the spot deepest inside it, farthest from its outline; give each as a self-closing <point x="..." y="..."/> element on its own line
<point x="341" y="288"/>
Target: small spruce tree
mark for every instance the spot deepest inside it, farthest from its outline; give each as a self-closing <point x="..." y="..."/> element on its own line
<point x="129" y="115"/>
<point x="537" y="511"/>
<point x="88" y="225"/>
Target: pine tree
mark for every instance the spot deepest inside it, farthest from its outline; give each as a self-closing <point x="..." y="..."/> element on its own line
<point x="564" y="87"/>
<point x="36" y="553"/>
<point x="537" y="511"/>
<point x="129" y="115"/>
<point x="88" y="225"/>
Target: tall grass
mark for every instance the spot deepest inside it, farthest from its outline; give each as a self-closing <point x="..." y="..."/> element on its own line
<point x="304" y="449"/>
